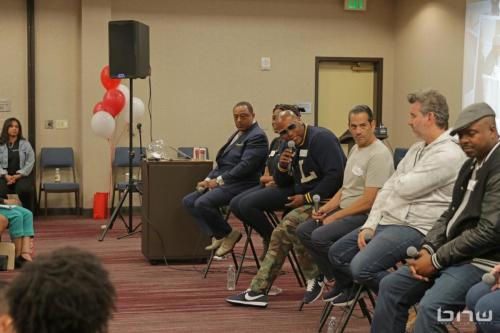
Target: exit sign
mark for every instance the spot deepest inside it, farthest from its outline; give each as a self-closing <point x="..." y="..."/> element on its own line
<point x="355" y="4"/>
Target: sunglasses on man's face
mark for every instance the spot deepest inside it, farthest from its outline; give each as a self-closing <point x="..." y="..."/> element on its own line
<point x="285" y="131"/>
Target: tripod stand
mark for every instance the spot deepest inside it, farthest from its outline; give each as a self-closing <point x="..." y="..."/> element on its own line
<point x="131" y="186"/>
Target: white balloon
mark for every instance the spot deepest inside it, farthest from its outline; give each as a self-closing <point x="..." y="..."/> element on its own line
<point x="126" y="92"/>
<point x="138" y="110"/>
<point x="103" y="124"/>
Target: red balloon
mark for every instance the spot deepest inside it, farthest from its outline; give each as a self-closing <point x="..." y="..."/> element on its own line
<point x="98" y="107"/>
<point x="113" y="101"/>
<point x="108" y="82"/>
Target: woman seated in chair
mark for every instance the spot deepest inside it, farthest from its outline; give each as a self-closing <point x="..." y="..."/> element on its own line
<point x="16" y="162"/>
<point x="19" y="220"/>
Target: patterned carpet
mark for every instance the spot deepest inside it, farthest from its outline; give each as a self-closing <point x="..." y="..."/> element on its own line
<point x="161" y="298"/>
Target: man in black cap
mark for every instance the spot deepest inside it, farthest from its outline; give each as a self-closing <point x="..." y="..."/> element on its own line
<point x="461" y="246"/>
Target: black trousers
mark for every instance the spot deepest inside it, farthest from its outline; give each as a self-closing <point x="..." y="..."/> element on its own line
<point x="23" y="187"/>
<point x="250" y="206"/>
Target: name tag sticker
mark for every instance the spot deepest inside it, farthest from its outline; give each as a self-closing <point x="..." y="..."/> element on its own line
<point x="272" y="153"/>
<point x="471" y="185"/>
<point x="303" y="153"/>
<point x="357" y="171"/>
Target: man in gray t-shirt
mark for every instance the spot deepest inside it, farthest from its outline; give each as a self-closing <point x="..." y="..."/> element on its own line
<point x="369" y="165"/>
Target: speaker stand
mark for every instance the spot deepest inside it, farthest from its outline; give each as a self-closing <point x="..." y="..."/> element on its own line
<point x="131" y="186"/>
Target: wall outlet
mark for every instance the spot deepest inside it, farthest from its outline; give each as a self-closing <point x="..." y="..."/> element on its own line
<point x="49" y="124"/>
<point x="60" y="124"/>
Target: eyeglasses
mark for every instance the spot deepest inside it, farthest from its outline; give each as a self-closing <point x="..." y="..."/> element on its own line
<point x="285" y="131"/>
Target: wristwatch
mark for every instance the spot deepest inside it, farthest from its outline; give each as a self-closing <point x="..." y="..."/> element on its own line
<point x="219" y="180"/>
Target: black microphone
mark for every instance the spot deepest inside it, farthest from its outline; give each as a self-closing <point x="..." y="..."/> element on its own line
<point x="139" y="126"/>
<point x="291" y="146"/>
<point x="412" y="252"/>
<point x="489" y="279"/>
<point x="316" y="200"/>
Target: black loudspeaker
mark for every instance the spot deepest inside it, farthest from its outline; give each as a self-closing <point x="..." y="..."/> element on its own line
<point x="128" y="49"/>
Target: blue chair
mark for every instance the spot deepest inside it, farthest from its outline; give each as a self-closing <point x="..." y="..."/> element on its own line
<point x="51" y="158"/>
<point x="399" y="153"/>
<point x="121" y="161"/>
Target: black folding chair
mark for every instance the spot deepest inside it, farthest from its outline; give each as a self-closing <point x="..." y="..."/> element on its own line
<point x="348" y="310"/>
<point x="248" y="242"/>
<point x="212" y="253"/>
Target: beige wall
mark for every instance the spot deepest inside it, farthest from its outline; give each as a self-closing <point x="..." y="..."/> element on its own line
<point x="13" y="52"/>
<point x="205" y="57"/>
<point x="429" y="47"/>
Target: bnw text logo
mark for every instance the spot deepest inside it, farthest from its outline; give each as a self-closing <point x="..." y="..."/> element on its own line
<point x="446" y="316"/>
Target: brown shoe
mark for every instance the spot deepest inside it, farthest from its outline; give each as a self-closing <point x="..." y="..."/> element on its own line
<point x="215" y="244"/>
<point x="228" y="243"/>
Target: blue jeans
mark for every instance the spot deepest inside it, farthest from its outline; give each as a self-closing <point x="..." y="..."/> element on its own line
<point x="439" y="299"/>
<point x="318" y="239"/>
<point x="204" y="207"/>
<point x="481" y="300"/>
<point x="368" y="267"/>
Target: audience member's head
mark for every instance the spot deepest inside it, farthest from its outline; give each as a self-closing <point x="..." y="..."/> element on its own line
<point x="290" y="127"/>
<point x="5" y="318"/>
<point x="65" y="291"/>
<point x="362" y="125"/>
<point x="428" y="114"/>
<point x="11" y="127"/>
<point x="476" y="129"/>
<point x="243" y="115"/>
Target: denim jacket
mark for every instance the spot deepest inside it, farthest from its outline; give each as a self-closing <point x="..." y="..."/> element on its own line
<point x="26" y="158"/>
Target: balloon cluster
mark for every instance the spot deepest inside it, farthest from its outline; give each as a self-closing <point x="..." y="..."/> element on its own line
<point x="115" y="100"/>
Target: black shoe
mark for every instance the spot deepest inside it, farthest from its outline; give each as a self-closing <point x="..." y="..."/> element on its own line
<point x="347" y="297"/>
<point x="19" y="262"/>
<point x="249" y="298"/>
<point x="314" y="290"/>
<point x="332" y="294"/>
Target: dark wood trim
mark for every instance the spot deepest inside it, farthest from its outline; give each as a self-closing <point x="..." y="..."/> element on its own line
<point x="378" y="68"/>
<point x="30" y="22"/>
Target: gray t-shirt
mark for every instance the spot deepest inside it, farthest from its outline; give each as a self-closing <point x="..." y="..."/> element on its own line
<point x="369" y="166"/>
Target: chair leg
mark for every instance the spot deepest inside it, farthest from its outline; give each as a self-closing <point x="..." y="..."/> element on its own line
<point x="38" y="203"/>
<point x="327" y="309"/>
<point x="77" y="202"/>
<point x="248" y="232"/>
<point x="209" y="263"/>
<point x="345" y="320"/>
<point x="45" y="195"/>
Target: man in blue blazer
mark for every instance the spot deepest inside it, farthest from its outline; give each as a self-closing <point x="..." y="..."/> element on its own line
<point x="240" y="163"/>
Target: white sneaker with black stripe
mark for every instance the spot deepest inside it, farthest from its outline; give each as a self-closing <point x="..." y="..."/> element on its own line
<point x="249" y="298"/>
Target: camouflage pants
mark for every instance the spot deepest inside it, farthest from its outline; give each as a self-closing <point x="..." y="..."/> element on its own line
<point x="282" y="240"/>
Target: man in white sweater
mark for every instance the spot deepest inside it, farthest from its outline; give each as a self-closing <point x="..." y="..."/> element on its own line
<point x="406" y="207"/>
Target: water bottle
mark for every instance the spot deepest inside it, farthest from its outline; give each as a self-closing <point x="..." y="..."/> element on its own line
<point x="57" y="176"/>
<point x="331" y="325"/>
<point x="231" y="278"/>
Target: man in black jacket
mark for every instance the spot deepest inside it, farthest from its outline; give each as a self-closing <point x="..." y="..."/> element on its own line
<point x="458" y="249"/>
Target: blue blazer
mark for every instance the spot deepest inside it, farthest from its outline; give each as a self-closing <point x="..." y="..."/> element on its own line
<point x="241" y="164"/>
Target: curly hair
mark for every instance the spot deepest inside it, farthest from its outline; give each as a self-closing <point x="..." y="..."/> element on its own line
<point x="66" y="291"/>
<point x="432" y="101"/>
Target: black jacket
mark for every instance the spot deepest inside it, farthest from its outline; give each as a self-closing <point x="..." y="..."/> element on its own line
<point x="476" y="232"/>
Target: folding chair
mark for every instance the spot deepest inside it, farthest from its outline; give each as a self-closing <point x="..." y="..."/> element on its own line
<point x="348" y="310"/>
<point x="52" y="158"/>
<point x="121" y="161"/>
<point x="227" y="212"/>
<point x="248" y="242"/>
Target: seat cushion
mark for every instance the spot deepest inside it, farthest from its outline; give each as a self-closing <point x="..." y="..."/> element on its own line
<point x="61" y="187"/>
